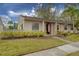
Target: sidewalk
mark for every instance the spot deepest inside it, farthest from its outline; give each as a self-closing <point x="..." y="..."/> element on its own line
<point x="58" y="51"/>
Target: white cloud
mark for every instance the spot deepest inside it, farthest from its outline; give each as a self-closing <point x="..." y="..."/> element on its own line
<point x="24" y="13"/>
<point x="33" y="10"/>
<point x="13" y="13"/>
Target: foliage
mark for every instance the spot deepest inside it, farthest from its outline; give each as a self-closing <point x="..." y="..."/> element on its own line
<point x="14" y="34"/>
<point x="10" y="22"/>
<point x="15" y="25"/>
<point x="71" y="14"/>
<point x="45" y="11"/>
<point x="10" y="25"/>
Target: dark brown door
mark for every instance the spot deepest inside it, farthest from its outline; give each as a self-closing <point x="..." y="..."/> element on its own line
<point x="48" y="28"/>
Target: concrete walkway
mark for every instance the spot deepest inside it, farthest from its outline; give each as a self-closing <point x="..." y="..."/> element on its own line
<point x="58" y="51"/>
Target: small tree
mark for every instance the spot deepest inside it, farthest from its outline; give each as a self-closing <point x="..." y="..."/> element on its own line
<point x="15" y="25"/>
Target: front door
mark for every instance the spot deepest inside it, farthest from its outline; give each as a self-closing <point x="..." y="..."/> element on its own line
<point x="48" y="28"/>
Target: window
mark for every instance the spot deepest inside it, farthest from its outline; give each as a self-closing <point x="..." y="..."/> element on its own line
<point x="35" y="26"/>
<point x="65" y="27"/>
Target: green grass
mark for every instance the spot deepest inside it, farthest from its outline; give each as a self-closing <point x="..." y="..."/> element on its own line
<point x="25" y="46"/>
<point x="73" y="37"/>
<point x="74" y="54"/>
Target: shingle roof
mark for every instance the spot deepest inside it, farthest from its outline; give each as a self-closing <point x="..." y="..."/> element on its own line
<point x="46" y="20"/>
<point x="37" y="19"/>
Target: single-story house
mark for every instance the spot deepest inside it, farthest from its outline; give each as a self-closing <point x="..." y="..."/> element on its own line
<point x="27" y="23"/>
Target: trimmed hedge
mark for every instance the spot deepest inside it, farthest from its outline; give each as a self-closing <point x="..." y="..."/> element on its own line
<point x="18" y="34"/>
<point x="73" y="37"/>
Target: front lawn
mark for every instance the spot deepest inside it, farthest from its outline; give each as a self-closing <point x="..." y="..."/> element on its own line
<point x="73" y="37"/>
<point x="28" y="45"/>
<point x="74" y="54"/>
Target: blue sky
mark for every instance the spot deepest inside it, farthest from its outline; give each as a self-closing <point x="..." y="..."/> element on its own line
<point x="5" y="7"/>
<point x="12" y="10"/>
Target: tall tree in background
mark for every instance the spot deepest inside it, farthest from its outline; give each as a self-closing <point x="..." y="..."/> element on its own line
<point x="70" y="12"/>
<point x="77" y="19"/>
<point x="44" y="11"/>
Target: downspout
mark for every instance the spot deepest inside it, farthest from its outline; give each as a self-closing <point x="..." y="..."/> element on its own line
<point x="43" y="26"/>
<point x="56" y="21"/>
<point x="73" y="27"/>
<point x="73" y="24"/>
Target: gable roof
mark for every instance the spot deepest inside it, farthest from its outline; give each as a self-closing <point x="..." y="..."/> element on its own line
<point x="36" y="19"/>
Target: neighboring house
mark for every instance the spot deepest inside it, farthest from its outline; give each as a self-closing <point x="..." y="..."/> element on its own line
<point x="27" y="23"/>
<point x="2" y="28"/>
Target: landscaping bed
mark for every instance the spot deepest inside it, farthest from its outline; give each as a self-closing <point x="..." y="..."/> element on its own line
<point x="69" y="36"/>
<point x="73" y="37"/>
<point x="27" y="45"/>
<point x="20" y="34"/>
<point x="63" y="34"/>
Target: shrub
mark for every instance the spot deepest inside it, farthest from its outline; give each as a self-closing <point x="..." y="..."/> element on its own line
<point x="14" y="34"/>
<point x="64" y="33"/>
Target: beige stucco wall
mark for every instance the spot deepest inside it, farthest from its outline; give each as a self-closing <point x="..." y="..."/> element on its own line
<point x="44" y="27"/>
<point x="69" y="28"/>
<point x="28" y="25"/>
<point x="53" y="29"/>
<point x="61" y="27"/>
<point x="20" y="22"/>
